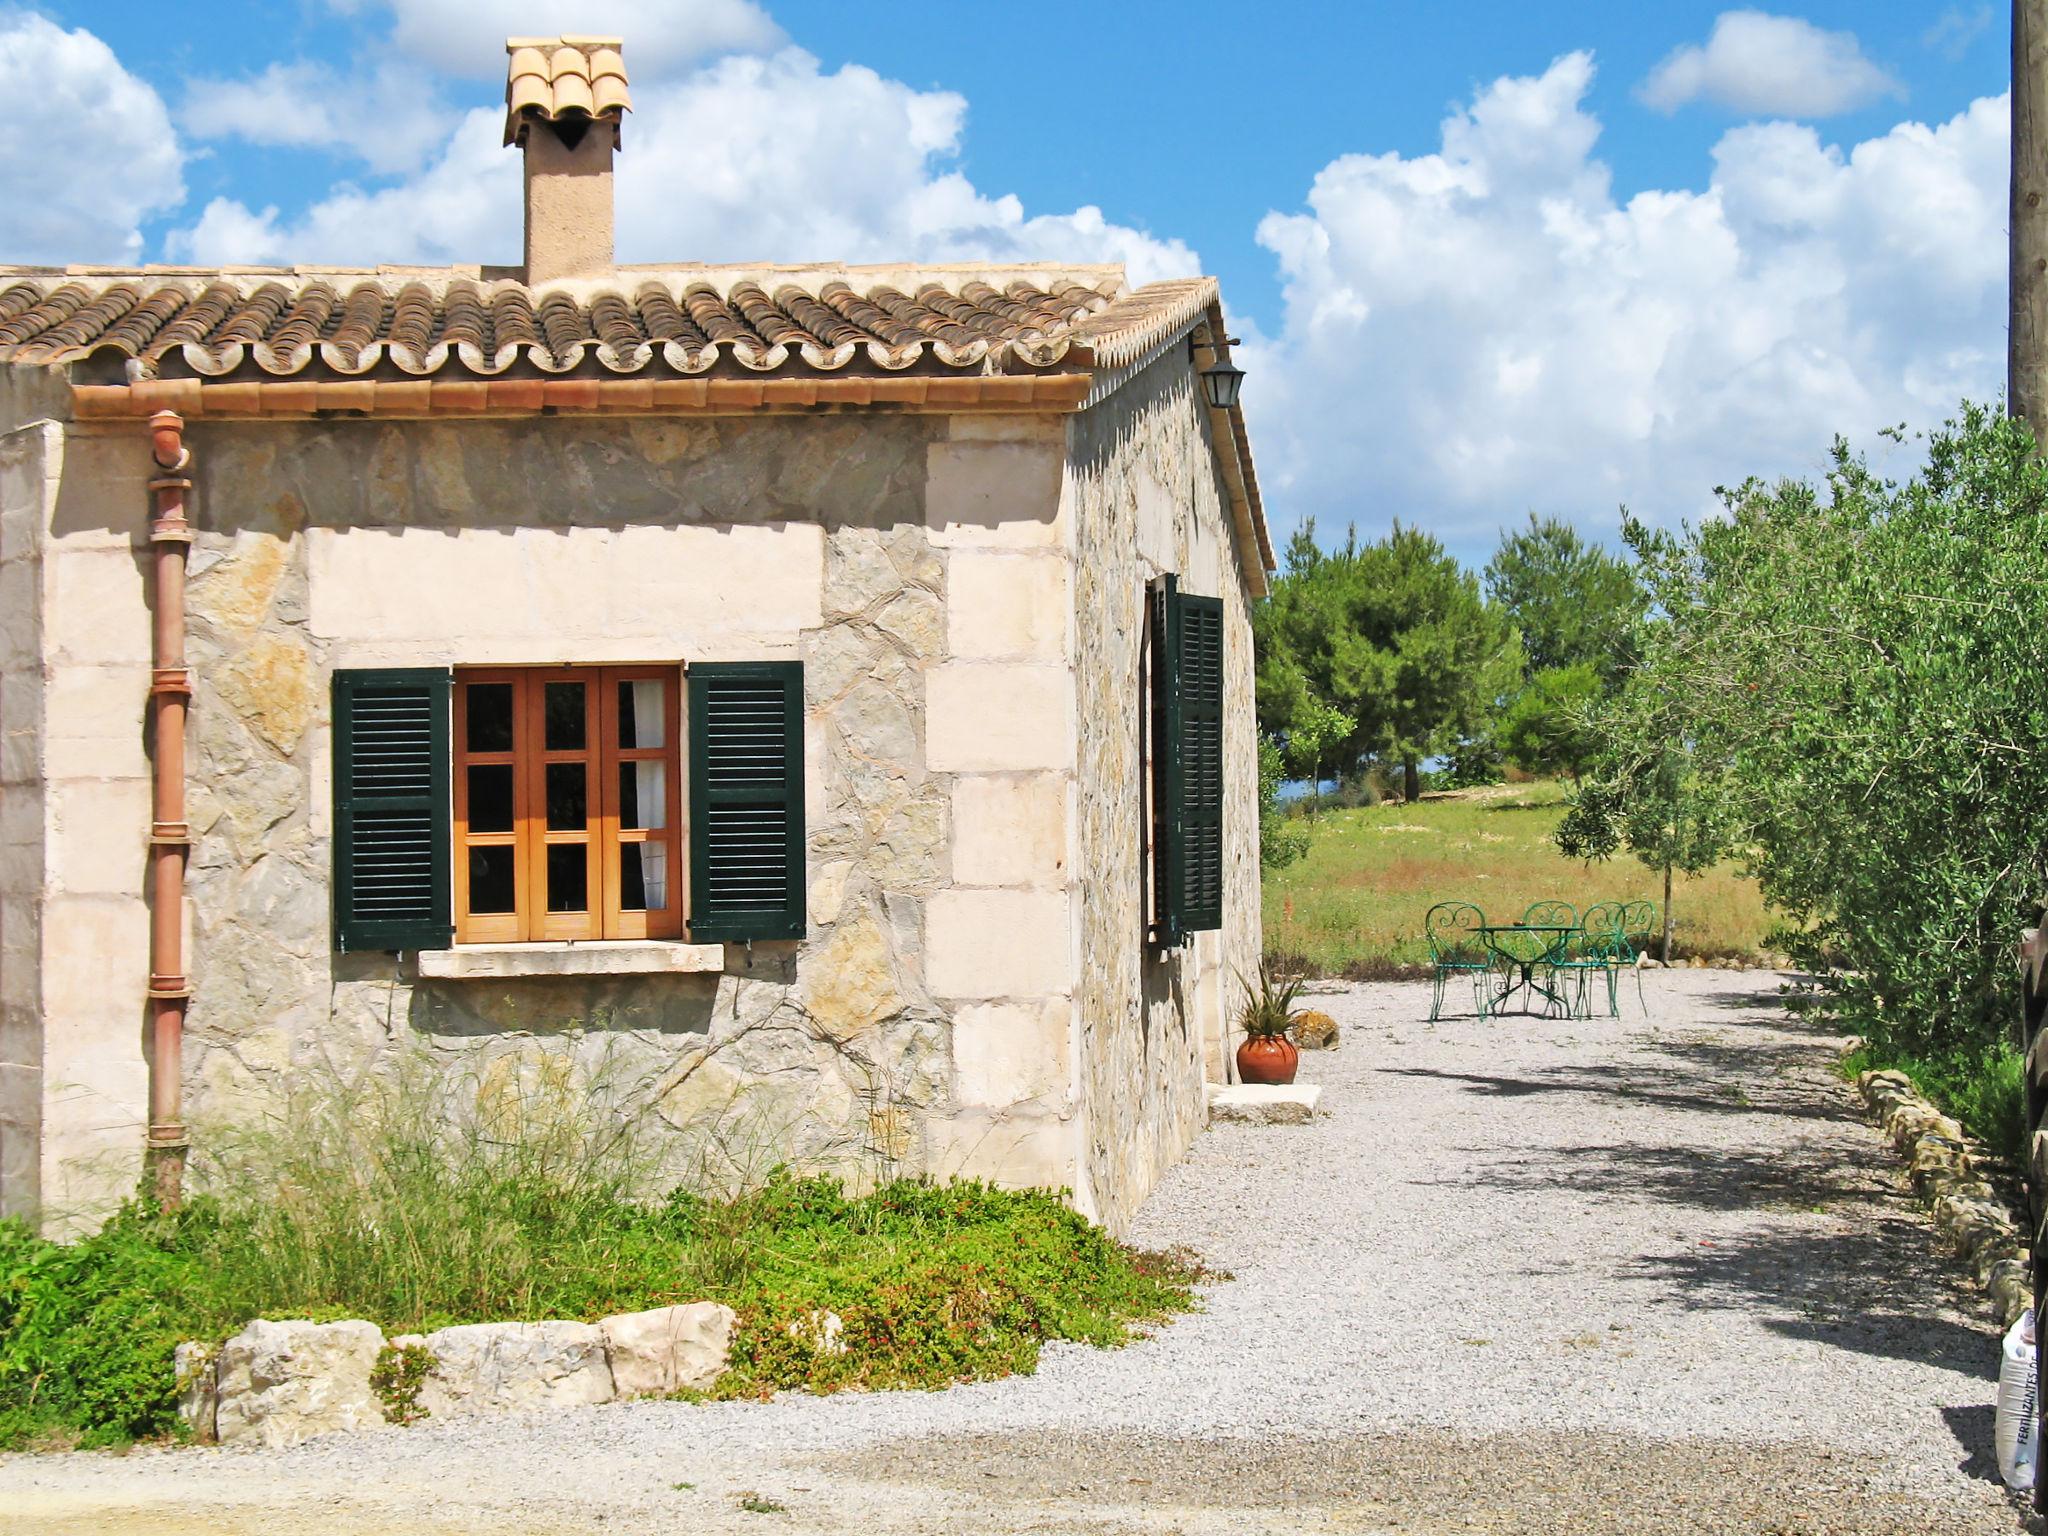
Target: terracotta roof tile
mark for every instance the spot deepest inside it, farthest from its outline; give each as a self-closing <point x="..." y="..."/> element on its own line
<point x="166" y="323"/>
<point x="559" y="79"/>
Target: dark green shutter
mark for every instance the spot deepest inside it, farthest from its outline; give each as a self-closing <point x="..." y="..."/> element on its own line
<point x="1201" y="733"/>
<point x="391" y="812"/>
<point x="1187" y="762"/>
<point x="746" y="829"/>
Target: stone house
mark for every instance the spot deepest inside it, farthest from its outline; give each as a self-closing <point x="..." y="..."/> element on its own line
<point x="828" y="688"/>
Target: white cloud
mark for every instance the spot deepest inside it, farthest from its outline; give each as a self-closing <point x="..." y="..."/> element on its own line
<point x="749" y="159"/>
<point x="389" y="116"/>
<point x="1486" y="330"/>
<point x="1956" y="29"/>
<point x="465" y="38"/>
<point x="1773" y="66"/>
<point x="65" y="101"/>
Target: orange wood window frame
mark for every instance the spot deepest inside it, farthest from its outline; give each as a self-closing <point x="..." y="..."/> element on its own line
<point x="599" y="836"/>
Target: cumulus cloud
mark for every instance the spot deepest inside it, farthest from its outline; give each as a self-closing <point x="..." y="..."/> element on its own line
<point x="1486" y="330"/>
<point x="748" y="159"/>
<point x="1764" y="65"/>
<point x="465" y="38"/>
<point x="65" y="101"/>
<point x="389" y="116"/>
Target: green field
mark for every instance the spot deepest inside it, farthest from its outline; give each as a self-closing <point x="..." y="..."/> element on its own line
<point x="1354" y="905"/>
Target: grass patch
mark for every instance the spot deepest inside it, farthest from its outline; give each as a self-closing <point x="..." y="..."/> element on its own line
<point x="1986" y="1091"/>
<point x="416" y="1202"/>
<point x="1353" y="906"/>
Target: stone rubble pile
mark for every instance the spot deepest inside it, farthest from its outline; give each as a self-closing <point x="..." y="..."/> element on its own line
<point x="278" y="1383"/>
<point x="1967" y="1211"/>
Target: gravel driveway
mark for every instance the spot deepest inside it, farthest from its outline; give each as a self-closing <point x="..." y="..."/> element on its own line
<point x="1527" y="1275"/>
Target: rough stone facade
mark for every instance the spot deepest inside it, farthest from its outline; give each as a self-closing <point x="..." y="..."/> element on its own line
<point x="973" y="996"/>
<point x="1143" y="495"/>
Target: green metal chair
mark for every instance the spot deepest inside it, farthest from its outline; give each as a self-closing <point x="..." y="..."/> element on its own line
<point x="1638" y="927"/>
<point x="1456" y="949"/>
<point x="1550" y="914"/>
<point x="1595" y="949"/>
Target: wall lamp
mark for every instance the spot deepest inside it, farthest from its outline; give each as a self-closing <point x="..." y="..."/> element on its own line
<point x="1220" y="380"/>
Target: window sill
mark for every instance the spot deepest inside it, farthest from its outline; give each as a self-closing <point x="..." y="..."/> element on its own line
<point x="607" y="957"/>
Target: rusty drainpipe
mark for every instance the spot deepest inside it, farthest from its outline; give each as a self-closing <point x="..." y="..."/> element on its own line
<point x="170" y="839"/>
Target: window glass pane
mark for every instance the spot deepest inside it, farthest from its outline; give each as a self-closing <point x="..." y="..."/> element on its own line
<point x="490" y="797"/>
<point x="487" y="711"/>
<point x="490" y="879"/>
<point x="564" y="710"/>
<point x="568" y="798"/>
<point x="568" y="878"/>
<point x="643" y="877"/>
<point x="643" y="795"/>
<point x="641" y="715"/>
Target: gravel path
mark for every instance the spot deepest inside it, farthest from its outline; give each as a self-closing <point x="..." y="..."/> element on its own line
<point x="1531" y="1274"/>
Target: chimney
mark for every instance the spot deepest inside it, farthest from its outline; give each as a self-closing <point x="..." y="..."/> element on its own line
<point x="564" y="98"/>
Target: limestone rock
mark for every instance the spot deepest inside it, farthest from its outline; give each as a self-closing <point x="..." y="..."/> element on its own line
<point x="483" y="1366"/>
<point x="668" y="1349"/>
<point x="198" y="1390"/>
<point x="820" y="1330"/>
<point x="1264" y="1104"/>
<point x="279" y="1383"/>
<point x="1314" y="1031"/>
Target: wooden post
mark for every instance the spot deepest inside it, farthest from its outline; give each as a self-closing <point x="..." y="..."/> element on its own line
<point x="1666" y="955"/>
<point x="2026" y="373"/>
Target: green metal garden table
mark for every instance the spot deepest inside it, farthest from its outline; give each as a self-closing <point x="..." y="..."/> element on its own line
<point x="1521" y="948"/>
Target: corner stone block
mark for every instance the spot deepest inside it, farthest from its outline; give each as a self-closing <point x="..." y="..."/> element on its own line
<point x="991" y="944"/>
<point x="996" y="716"/>
<point x="278" y="1383"/>
<point x="1015" y="1151"/>
<point x="1010" y="829"/>
<point x="95" y="607"/>
<point x="1001" y="605"/>
<point x="1006" y="1053"/>
<point x="1003" y="495"/>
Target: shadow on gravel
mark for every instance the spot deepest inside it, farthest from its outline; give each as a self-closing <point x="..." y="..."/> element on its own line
<point x="1973" y="1428"/>
<point x="1875" y="1289"/>
<point x="1784" y="1179"/>
<point x="1678" y="1087"/>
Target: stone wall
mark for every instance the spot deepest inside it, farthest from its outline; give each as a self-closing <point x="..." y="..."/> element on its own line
<point x="1143" y="493"/>
<point x="74" y="955"/>
<point x="924" y="1024"/>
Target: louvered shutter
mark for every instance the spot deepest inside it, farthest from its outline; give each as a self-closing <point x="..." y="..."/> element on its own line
<point x="746" y="800"/>
<point x="1187" y="762"/>
<point x="1201" y="731"/>
<point x="391" y="830"/>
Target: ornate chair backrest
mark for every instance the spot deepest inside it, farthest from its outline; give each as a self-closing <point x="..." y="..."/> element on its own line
<point x="1453" y="931"/>
<point x="1638" y="923"/>
<point x="1551" y="914"/>
<point x="1602" y="935"/>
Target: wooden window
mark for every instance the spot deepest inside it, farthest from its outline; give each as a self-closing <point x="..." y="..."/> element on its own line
<point x="567" y="804"/>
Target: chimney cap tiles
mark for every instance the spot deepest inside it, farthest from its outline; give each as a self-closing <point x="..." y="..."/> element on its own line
<point x="560" y="79"/>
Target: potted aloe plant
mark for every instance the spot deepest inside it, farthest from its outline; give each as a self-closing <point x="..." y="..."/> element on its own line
<point x="1266" y="1054"/>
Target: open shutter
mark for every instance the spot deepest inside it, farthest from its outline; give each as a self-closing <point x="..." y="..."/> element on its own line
<point x="746" y="828"/>
<point x="1201" y="734"/>
<point x="1187" y="763"/>
<point x="391" y="832"/>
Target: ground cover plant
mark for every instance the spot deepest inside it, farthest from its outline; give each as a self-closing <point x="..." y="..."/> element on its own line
<point x="418" y="1203"/>
<point x="1354" y="903"/>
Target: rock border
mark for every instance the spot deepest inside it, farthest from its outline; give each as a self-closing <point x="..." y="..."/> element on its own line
<point x="1967" y="1211"/>
<point x="281" y="1382"/>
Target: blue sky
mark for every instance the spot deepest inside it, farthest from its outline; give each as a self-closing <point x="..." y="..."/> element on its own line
<point x="1603" y="289"/>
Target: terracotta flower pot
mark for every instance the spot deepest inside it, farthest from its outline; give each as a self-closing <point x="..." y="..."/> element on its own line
<point x="1267" y="1059"/>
